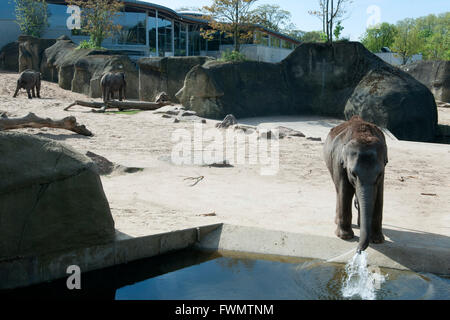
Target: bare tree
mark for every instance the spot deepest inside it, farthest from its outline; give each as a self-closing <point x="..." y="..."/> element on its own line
<point x="331" y="12"/>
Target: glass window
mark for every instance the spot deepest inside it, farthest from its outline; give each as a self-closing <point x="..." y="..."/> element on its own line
<point x="196" y="41"/>
<point x="180" y="39"/>
<point x="274" y="42"/>
<point x="133" y="28"/>
<point x="152" y="32"/>
<point x="165" y="37"/>
<point x="7" y="9"/>
<point x="58" y="15"/>
<point x="286" y="44"/>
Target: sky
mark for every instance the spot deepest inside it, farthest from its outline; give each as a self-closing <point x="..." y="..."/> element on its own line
<point x="361" y="13"/>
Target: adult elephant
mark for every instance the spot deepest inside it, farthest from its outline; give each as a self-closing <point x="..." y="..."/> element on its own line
<point x="356" y="155"/>
<point x="112" y="82"/>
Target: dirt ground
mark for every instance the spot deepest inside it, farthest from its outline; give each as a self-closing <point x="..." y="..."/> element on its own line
<point x="299" y="197"/>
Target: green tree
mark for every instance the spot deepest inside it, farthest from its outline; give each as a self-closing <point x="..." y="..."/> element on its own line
<point x="97" y="18"/>
<point x="407" y="42"/>
<point x="338" y="30"/>
<point x="32" y="16"/>
<point x="229" y="17"/>
<point x="273" y="17"/>
<point x="434" y="34"/>
<point x="378" y="37"/>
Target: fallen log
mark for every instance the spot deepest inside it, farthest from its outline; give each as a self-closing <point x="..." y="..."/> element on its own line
<point x="121" y="105"/>
<point x="33" y="121"/>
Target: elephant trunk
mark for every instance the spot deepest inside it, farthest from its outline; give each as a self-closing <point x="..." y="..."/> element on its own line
<point x="366" y="199"/>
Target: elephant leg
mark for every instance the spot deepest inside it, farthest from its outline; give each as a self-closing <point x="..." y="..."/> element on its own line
<point x="112" y="95"/>
<point x="377" y="233"/>
<point x="38" y="89"/>
<point x="120" y="94"/>
<point x="29" y="94"/>
<point x="17" y="91"/>
<point x="107" y="93"/>
<point x="33" y="92"/>
<point x="345" y="192"/>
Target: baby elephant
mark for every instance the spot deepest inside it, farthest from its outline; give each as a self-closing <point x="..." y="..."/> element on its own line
<point x="356" y="154"/>
<point x="29" y="80"/>
<point x="112" y="82"/>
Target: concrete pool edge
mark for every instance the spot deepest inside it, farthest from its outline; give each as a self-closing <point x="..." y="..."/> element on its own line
<point x="263" y="241"/>
<point x="25" y="271"/>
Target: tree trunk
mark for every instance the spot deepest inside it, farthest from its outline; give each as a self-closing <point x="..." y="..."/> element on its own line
<point x="33" y="121"/>
<point x="122" y="105"/>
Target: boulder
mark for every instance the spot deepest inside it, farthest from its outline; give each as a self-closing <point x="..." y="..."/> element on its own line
<point x="164" y="75"/>
<point x="433" y="74"/>
<point x="9" y="57"/>
<point x="31" y="50"/>
<point x="339" y="80"/>
<point x="51" y="198"/>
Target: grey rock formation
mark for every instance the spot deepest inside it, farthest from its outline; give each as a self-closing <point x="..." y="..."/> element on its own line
<point x="31" y="50"/>
<point x="434" y="74"/>
<point x="339" y="80"/>
<point x="9" y="57"/>
<point x="81" y="70"/>
<point x="51" y="198"/>
<point x="164" y="75"/>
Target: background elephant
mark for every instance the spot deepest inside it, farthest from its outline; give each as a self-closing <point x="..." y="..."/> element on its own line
<point x="112" y="82"/>
<point x="29" y="80"/>
<point x="356" y="155"/>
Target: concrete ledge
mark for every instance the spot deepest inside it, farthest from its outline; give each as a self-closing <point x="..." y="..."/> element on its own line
<point x="25" y="271"/>
<point x="389" y="254"/>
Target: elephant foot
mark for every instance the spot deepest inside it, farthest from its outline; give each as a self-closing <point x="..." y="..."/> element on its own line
<point x="344" y="234"/>
<point x="377" y="238"/>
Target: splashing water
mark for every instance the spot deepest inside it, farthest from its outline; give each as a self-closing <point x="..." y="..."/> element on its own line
<point x="360" y="279"/>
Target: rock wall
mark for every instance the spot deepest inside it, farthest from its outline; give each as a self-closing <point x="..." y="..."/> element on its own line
<point x="434" y="74"/>
<point x="341" y="80"/>
<point x="80" y="70"/>
<point x="31" y="50"/>
<point x="164" y="75"/>
<point x="9" y="57"/>
<point x="51" y="198"/>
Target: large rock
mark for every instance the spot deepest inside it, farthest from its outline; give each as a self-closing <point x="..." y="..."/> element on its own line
<point x="51" y="198"/>
<point x="80" y="70"/>
<point x="434" y="74"/>
<point x="341" y="80"/>
<point x="90" y="69"/>
<point x="9" y="57"/>
<point x="31" y="50"/>
<point x="164" y="75"/>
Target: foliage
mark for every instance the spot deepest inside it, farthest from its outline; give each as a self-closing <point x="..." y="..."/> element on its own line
<point x="378" y="37"/>
<point x="428" y="35"/>
<point x="231" y="18"/>
<point x="331" y="12"/>
<point x="232" y="56"/>
<point x="32" y="16"/>
<point x="88" y="44"/>
<point x="97" y="18"/>
<point x="338" y="30"/>
<point x="272" y="17"/>
<point x="310" y="36"/>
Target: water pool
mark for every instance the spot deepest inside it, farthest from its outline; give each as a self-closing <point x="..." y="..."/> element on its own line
<point x="192" y="275"/>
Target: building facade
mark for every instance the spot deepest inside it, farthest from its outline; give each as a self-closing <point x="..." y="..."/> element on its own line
<point x="149" y="29"/>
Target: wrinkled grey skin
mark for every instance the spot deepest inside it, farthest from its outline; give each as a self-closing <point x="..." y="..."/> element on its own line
<point x="112" y="82"/>
<point x="29" y="80"/>
<point x="356" y="155"/>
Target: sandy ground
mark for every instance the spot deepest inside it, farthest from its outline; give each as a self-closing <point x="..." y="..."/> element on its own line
<point x="299" y="197"/>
